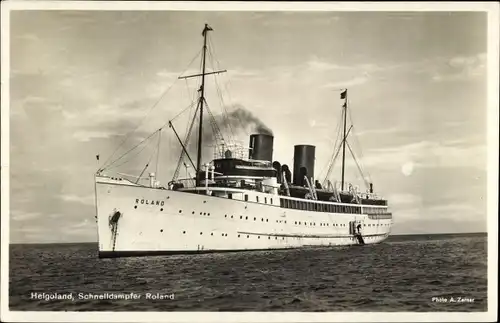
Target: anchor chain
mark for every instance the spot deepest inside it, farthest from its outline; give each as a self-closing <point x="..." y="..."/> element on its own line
<point x="113" y="223"/>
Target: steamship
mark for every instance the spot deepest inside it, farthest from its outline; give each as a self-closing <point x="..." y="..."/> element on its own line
<point x="239" y="200"/>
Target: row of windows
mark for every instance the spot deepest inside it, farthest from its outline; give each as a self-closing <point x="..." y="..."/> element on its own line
<point x="376" y="225"/>
<point x="374" y="210"/>
<point x="284" y="221"/>
<point x="246" y="218"/>
<point x="258" y="237"/>
<point x="319" y="207"/>
<point x="257" y="199"/>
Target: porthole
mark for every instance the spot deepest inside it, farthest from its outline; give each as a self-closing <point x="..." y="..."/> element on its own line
<point x="238" y="235"/>
<point x="168" y="197"/>
<point x="231" y="216"/>
<point x="248" y="236"/>
<point x="269" y="238"/>
<point x="192" y="212"/>
<point x="204" y="213"/>
<point x="212" y="234"/>
<point x="258" y="237"/>
<point x="184" y="232"/>
<point x="241" y="217"/>
<point x="201" y="233"/>
<point x="275" y="238"/>
<point x="161" y="210"/>
<point x="161" y="230"/>
<point x="246" y="218"/>
<point x="208" y="214"/>
<point x="180" y="211"/>
<point x="267" y="220"/>
<point x="225" y="215"/>
<point x="254" y="219"/>
<point x="204" y="201"/>
<point x="262" y="219"/>
<point x="201" y="213"/>
<point x="135" y="207"/>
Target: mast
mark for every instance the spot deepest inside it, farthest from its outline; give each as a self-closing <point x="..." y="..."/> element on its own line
<point x="343" y="95"/>
<point x="202" y="99"/>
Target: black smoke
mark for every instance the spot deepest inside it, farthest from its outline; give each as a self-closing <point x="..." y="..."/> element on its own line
<point x="238" y="116"/>
<point x="238" y="123"/>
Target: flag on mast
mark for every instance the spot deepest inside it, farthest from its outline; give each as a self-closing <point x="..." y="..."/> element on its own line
<point x="343" y="94"/>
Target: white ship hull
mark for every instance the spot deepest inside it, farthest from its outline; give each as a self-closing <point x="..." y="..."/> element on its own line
<point x="158" y="221"/>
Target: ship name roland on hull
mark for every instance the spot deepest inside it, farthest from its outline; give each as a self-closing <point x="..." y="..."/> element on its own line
<point x="240" y="200"/>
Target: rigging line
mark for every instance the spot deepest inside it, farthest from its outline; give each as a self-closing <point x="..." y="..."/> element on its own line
<point x="335" y="158"/>
<point x="225" y="114"/>
<point x="189" y="95"/>
<point x="359" y="168"/>
<point x="151" y="109"/>
<point x="214" y="123"/>
<point x="186" y="142"/>
<point x="211" y="60"/>
<point x="183" y="110"/>
<point x="337" y="137"/>
<point x="149" y="161"/>
<point x="193" y="101"/>
<point x="226" y="88"/>
<point x="128" y="160"/>
<point x="140" y="143"/>
<point x="361" y="165"/>
<point x="331" y="159"/>
<point x="158" y="153"/>
<point x="148" y="137"/>
<point x="217" y="133"/>
<point x="332" y="165"/>
<point x="359" y="145"/>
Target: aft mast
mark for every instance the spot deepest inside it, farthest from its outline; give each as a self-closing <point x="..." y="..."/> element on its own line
<point x="343" y="95"/>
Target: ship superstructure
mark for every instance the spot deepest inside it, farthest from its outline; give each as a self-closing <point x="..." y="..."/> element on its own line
<point x="240" y="200"/>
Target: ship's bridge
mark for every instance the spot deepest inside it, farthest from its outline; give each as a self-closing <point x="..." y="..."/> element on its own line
<point x="240" y="167"/>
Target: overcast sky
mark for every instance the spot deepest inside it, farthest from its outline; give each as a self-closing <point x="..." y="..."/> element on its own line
<point x="81" y="80"/>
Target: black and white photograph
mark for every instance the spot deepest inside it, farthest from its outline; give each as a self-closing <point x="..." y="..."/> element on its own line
<point x="249" y="161"/>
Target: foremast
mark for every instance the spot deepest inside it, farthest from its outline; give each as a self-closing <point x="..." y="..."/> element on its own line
<point x="201" y="101"/>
